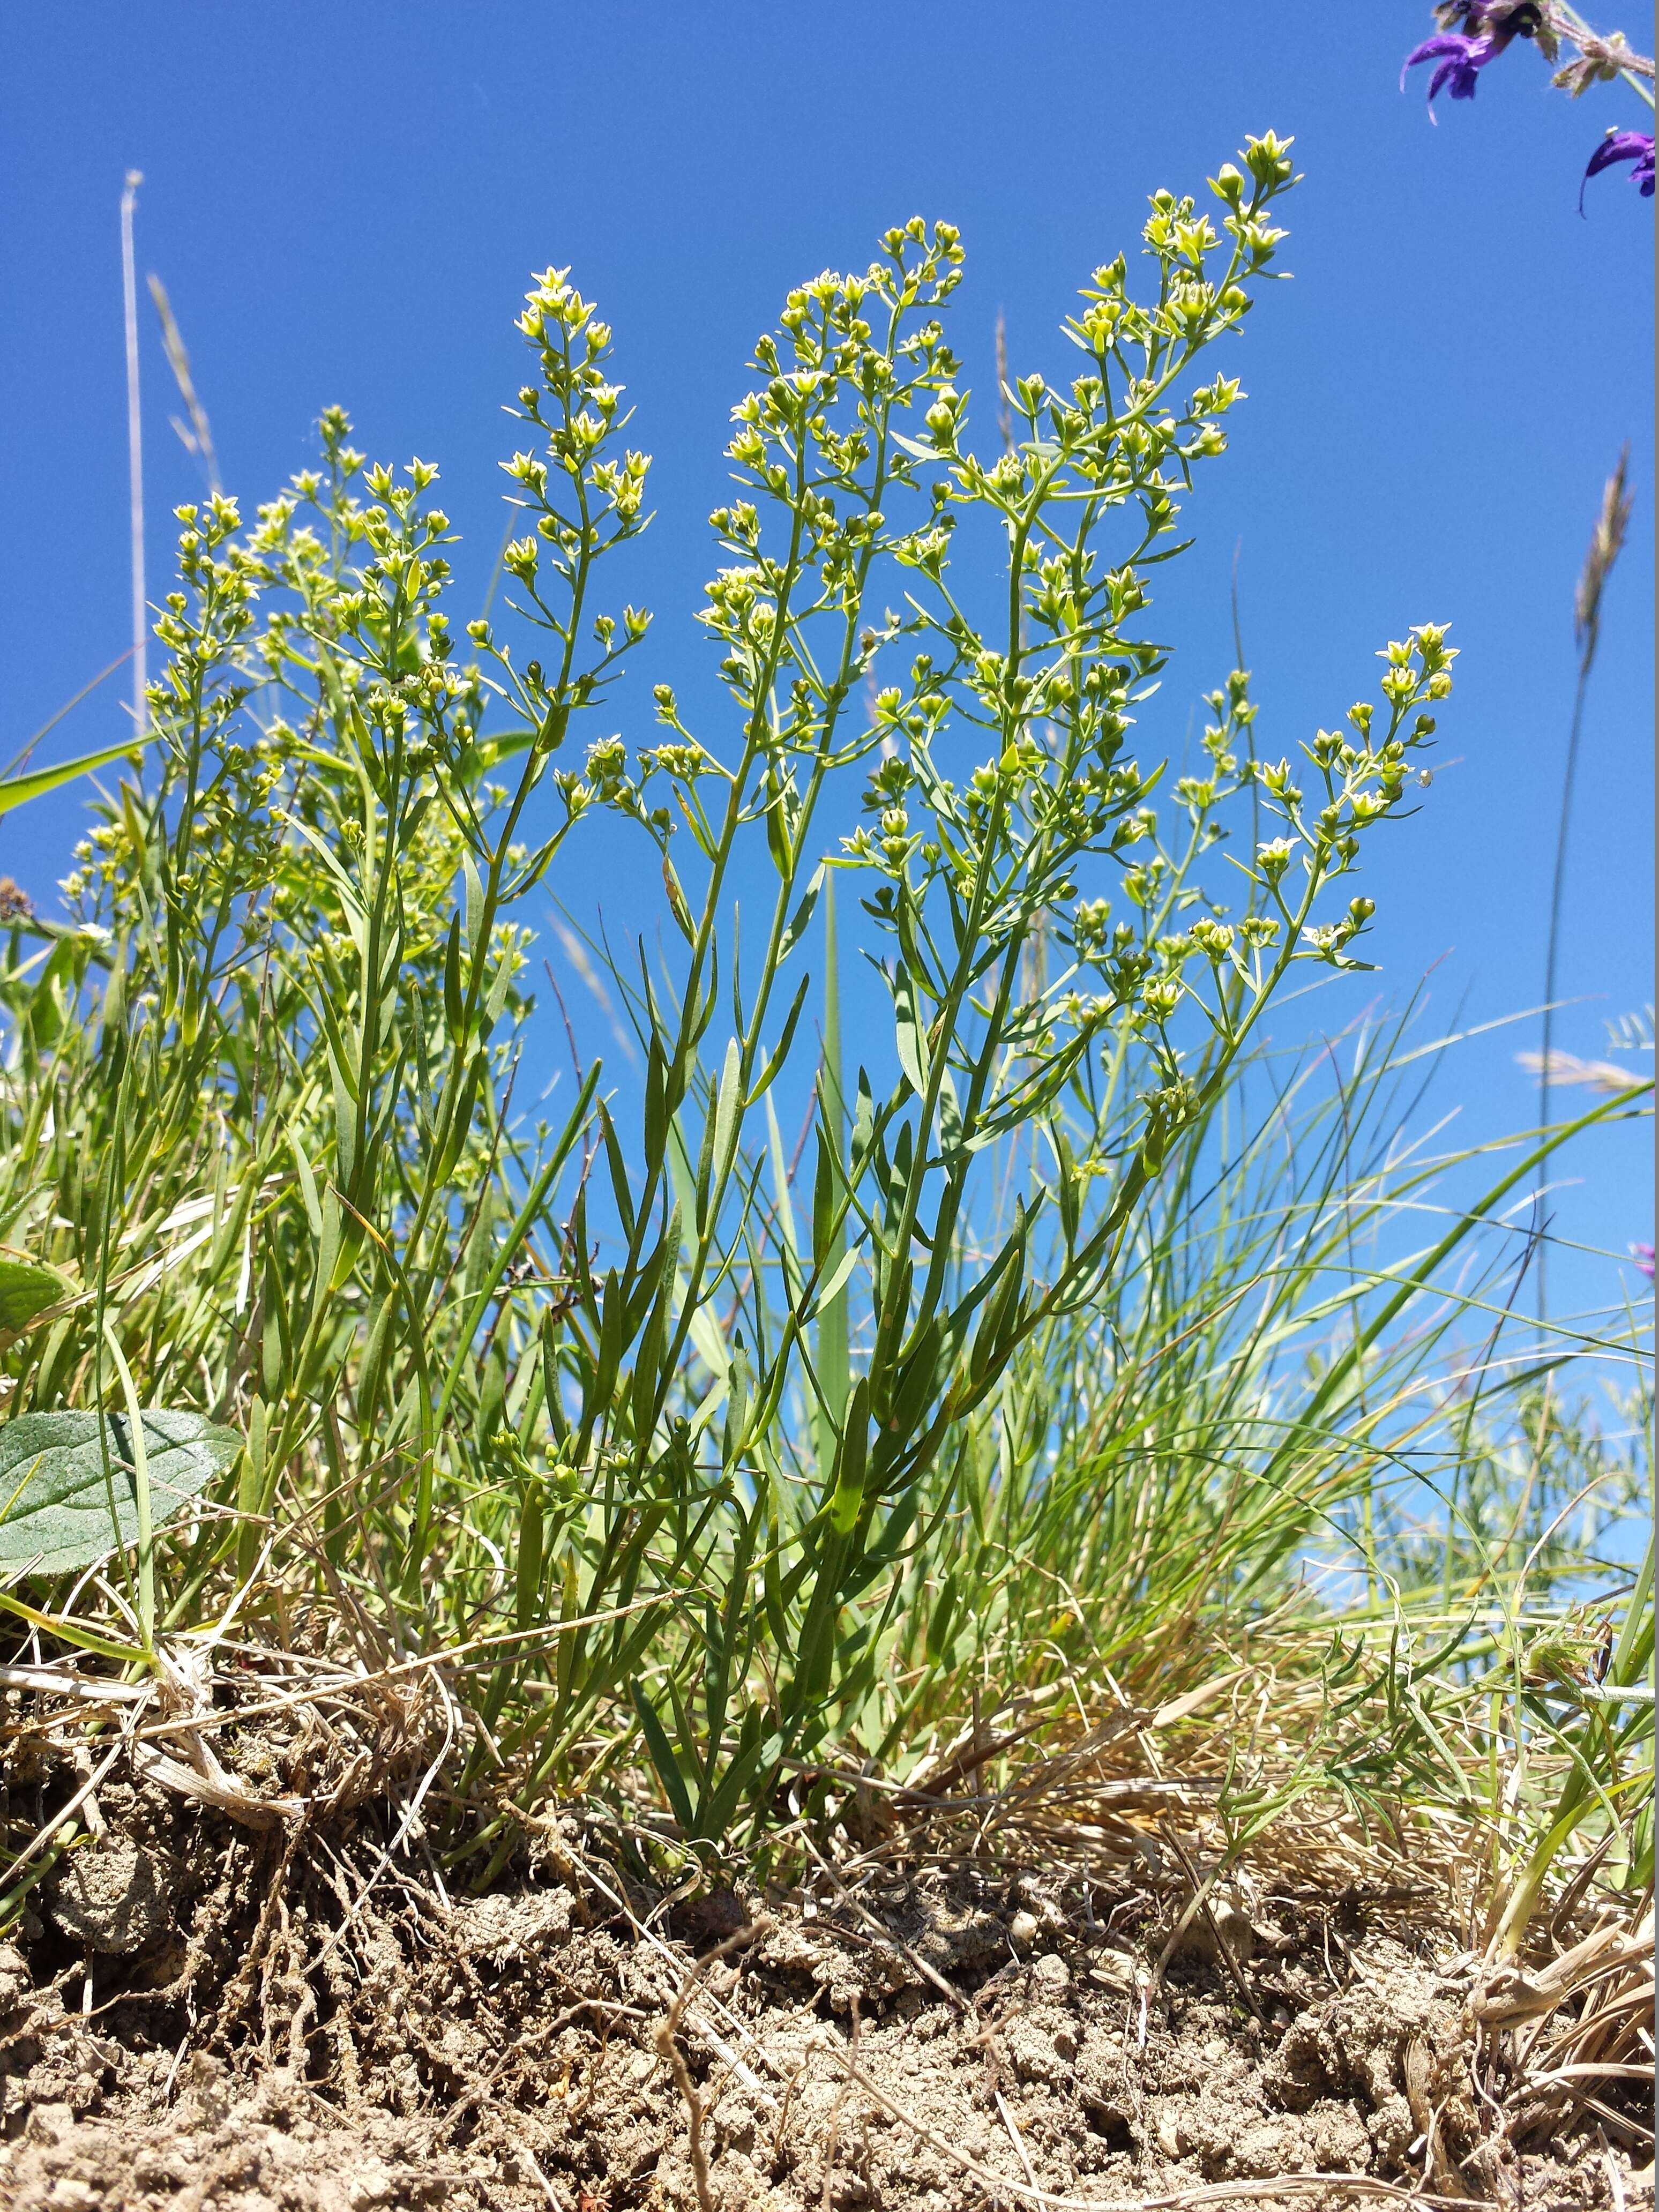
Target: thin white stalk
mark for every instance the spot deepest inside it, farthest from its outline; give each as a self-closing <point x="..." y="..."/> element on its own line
<point x="134" y="459"/>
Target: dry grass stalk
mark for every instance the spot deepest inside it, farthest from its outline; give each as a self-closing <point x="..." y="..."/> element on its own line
<point x="197" y="437"/>
<point x="1607" y="541"/>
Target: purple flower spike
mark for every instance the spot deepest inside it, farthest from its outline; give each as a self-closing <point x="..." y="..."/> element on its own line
<point x="1462" y="60"/>
<point x="1643" y="1255"/>
<point x="1623" y="146"/>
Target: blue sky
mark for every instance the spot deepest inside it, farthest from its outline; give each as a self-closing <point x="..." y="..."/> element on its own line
<point x="345" y="203"/>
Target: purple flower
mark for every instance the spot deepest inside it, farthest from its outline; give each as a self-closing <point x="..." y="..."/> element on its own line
<point x="1461" y="61"/>
<point x="1623" y="146"/>
<point x="1643" y="1255"/>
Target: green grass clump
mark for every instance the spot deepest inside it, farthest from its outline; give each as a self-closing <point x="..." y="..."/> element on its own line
<point x="1080" y="1319"/>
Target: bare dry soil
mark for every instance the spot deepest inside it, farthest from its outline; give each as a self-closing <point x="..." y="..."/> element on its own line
<point x="201" y="2018"/>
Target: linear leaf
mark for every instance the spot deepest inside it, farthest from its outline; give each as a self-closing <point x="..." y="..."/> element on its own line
<point x="32" y="783"/>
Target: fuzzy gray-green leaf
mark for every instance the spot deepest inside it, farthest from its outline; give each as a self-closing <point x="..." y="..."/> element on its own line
<point x="55" y="1498"/>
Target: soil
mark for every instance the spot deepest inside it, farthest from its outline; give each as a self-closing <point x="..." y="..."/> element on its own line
<point x="200" y="2016"/>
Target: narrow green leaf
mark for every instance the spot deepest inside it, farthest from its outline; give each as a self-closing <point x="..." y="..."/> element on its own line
<point x="727" y="1105"/>
<point x="939" y="1619"/>
<point x="527" y="1566"/>
<point x="1068" y="1186"/>
<point x="908" y="1031"/>
<point x="473" y="906"/>
<point x="251" y="1488"/>
<point x="621" y="1189"/>
<point x="839" y="1276"/>
<point x="780" y="1051"/>
<point x="308" y="1185"/>
<point x="829" y="1248"/>
<point x="454" y="1007"/>
<point x="33" y="783"/>
<point x="801" y="916"/>
<point x="663" y="1759"/>
<point x="848" y="1494"/>
<point x="784" y="1211"/>
<point x="656" y="1108"/>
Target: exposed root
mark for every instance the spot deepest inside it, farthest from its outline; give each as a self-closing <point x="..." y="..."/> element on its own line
<point x="666" y="2041"/>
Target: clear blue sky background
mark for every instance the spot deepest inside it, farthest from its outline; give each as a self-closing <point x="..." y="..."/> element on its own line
<point x="345" y="202"/>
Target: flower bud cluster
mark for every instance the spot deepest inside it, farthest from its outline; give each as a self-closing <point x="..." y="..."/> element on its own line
<point x="1057" y="694"/>
<point x="851" y="354"/>
<point x="1362" y="776"/>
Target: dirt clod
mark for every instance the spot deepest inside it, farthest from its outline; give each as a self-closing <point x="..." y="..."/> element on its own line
<point x="117" y="1897"/>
